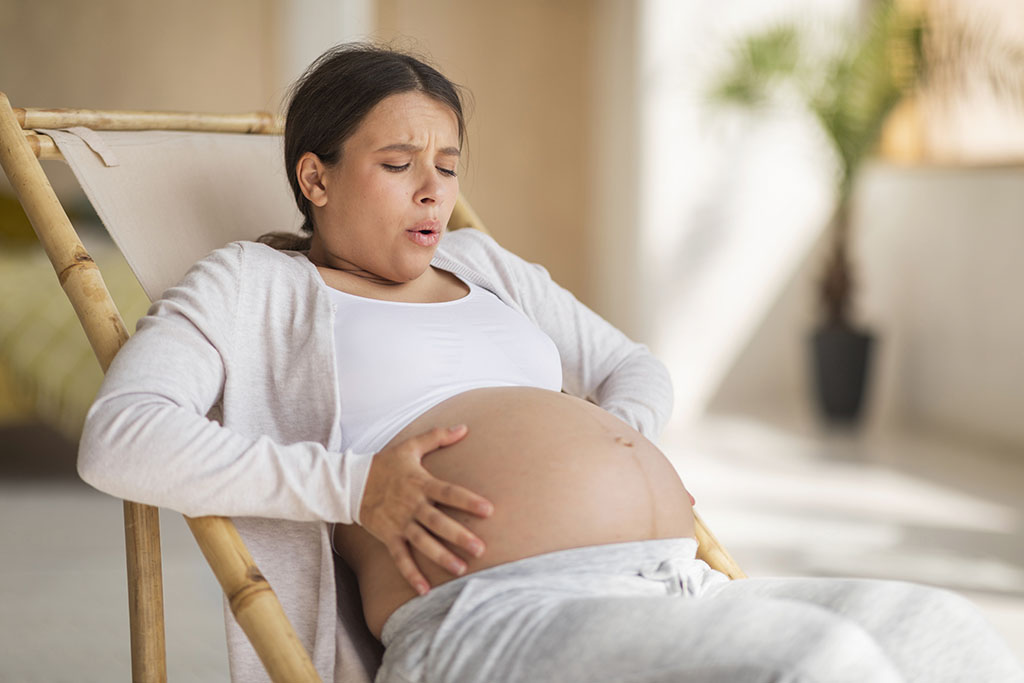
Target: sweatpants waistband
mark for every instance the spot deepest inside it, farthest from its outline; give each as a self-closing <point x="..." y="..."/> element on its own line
<point x="611" y="558"/>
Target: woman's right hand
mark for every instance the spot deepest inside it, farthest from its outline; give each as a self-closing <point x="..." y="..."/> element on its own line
<point x="399" y="506"/>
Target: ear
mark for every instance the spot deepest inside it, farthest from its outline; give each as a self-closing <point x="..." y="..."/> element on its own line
<point x="310" y="173"/>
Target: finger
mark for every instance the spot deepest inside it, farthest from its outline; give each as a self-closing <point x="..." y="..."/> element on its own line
<point x="437" y="438"/>
<point x="444" y="527"/>
<point x="407" y="566"/>
<point x="457" y="497"/>
<point x="423" y="541"/>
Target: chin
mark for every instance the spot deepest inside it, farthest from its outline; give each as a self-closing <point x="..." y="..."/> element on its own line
<point x="411" y="272"/>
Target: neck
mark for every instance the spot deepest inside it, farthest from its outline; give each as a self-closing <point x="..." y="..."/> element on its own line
<point x="319" y="257"/>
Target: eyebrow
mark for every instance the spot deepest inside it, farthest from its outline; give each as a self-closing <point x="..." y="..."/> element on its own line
<point x="405" y="147"/>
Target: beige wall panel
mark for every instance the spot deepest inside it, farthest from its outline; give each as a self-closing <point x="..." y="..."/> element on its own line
<point x="188" y="54"/>
<point x="125" y="54"/>
<point x="526" y="65"/>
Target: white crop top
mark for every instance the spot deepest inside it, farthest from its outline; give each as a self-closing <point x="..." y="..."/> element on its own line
<point x="396" y="360"/>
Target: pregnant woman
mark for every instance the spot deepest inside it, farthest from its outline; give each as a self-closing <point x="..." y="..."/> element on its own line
<point x="463" y="437"/>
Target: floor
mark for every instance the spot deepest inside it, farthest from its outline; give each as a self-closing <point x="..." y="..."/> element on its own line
<point x="783" y="501"/>
<point x="63" y="597"/>
<point x="919" y="507"/>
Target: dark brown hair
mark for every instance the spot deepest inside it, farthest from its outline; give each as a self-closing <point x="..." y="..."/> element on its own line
<point x="332" y="98"/>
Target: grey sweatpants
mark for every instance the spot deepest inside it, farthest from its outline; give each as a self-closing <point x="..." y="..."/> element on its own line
<point x="648" y="611"/>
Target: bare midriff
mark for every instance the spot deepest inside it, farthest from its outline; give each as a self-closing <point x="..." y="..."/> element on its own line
<point x="561" y="472"/>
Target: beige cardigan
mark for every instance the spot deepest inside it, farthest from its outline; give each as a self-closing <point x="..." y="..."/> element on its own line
<point x="225" y="402"/>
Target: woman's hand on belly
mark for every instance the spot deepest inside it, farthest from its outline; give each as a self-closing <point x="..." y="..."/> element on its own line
<point x="399" y="506"/>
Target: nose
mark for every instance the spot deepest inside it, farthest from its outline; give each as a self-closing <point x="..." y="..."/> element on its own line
<point x="431" y="189"/>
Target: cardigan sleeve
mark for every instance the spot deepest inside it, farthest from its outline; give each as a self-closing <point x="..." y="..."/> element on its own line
<point x="599" y="362"/>
<point x="147" y="437"/>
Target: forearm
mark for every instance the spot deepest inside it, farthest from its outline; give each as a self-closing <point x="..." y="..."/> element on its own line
<point x="149" y="451"/>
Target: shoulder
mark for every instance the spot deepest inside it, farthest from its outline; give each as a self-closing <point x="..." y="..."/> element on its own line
<point x="248" y="250"/>
<point x="236" y="272"/>
<point x="480" y="251"/>
<point x="523" y="285"/>
<point x="242" y="258"/>
<point x="265" y="255"/>
<point x="466" y="241"/>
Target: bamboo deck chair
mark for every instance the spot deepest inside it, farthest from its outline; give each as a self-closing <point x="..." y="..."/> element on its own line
<point x="114" y="142"/>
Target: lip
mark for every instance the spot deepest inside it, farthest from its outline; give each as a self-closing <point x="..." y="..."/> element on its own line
<point x="430" y="224"/>
<point x="425" y="239"/>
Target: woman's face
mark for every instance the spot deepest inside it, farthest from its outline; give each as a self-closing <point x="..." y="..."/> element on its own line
<point x="382" y="209"/>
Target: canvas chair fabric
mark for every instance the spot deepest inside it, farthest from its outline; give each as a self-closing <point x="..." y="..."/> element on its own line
<point x="141" y="178"/>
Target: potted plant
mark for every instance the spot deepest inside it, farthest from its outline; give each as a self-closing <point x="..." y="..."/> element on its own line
<point x="850" y="90"/>
<point x="851" y="82"/>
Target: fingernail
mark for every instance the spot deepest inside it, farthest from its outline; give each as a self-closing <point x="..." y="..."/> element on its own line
<point x="477" y="549"/>
<point x="457" y="568"/>
<point x="484" y="508"/>
<point x="422" y="588"/>
<point x="456" y="428"/>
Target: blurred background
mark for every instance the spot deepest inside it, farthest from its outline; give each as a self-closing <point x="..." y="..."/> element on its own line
<point x="812" y="211"/>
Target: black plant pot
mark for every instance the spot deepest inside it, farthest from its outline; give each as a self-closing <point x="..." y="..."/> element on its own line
<point x="842" y="362"/>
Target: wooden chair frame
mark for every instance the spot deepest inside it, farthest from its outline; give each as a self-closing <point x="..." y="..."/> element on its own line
<point x="252" y="601"/>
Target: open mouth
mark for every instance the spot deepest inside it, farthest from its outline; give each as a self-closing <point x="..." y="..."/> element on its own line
<point x="426" y="227"/>
<point x="424" y="236"/>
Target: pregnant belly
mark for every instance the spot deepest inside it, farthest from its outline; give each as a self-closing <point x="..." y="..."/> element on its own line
<point x="560" y="471"/>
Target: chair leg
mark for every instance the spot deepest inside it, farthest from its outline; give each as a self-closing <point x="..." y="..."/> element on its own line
<point x="712" y="552"/>
<point x="145" y="593"/>
<point x="254" y="604"/>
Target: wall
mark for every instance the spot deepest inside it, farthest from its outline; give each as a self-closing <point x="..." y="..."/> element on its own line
<point x="731" y="202"/>
<point x="144" y="55"/>
<point x="941" y="252"/>
<point x="123" y="54"/>
<point x="526" y="66"/>
<point x="937" y="258"/>
<point x="613" y="225"/>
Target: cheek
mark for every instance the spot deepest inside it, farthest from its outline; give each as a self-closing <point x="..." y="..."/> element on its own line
<point x="451" y="196"/>
<point x="383" y="192"/>
<point x="364" y="204"/>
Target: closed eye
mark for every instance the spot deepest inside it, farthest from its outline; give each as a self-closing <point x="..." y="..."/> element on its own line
<point x="450" y="172"/>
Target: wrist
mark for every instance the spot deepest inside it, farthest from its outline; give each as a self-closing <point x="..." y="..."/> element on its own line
<point x="357" y="471"/>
